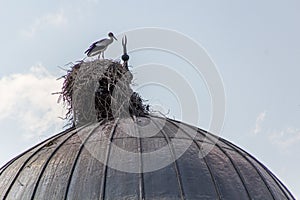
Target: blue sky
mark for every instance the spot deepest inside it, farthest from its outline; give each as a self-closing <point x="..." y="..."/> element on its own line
<point x="255" y="45"/>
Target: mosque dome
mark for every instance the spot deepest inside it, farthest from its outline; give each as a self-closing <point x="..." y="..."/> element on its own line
<point x="114" y="159"/>
<point x="116" y="149"/>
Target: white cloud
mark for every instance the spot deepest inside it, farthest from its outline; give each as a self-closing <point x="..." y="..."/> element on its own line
<point x="26" y="99"/>
<point x="57" y="19"/>
<point x="259" y="120"/>
<point x="285" y="138"/>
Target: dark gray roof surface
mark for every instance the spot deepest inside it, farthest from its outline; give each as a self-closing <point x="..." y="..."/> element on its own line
<point x="82" y="164"/>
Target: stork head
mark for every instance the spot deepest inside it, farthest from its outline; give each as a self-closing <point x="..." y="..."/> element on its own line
<point x="111" y="35"/>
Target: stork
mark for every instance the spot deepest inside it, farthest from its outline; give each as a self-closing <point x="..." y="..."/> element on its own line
<point x="100" y="46"/>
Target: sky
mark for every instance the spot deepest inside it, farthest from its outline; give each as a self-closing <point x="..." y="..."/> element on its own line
<point x="255" y="46"/>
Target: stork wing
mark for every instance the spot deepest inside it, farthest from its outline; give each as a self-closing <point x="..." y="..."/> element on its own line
<point x="103" y="42"/>
<point x="91" y="47"/>
<point x="95" y="50"/>
<point x="100" y="42"/>
<point x="98" y="47"/>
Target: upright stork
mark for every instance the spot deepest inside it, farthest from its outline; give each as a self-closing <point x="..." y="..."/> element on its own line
<point x="100" y="46"/>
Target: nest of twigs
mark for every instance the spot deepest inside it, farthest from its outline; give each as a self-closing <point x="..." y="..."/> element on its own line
<point x="100" y="90"/>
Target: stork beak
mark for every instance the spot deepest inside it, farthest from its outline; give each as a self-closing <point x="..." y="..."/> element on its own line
<point x="115" y="37"/>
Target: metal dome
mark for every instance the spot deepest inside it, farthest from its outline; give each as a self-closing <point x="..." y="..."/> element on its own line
<point x="82" y="163"/>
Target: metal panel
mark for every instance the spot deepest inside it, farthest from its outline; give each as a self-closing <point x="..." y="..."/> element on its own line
<point x="197" y="184"/>
<point x="253" y="181"/>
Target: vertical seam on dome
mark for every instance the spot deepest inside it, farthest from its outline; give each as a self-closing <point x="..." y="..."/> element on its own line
<point x="256" y="169"/>
<point x="4" y="167"/>
<point x="210" y="172"/>
<point x="287" y="193"/>
<point x="237" y="170"/>
<point x="27" y="160"/>
<point x="47" y="161"/>
<point x="231" y="161"/>
<point x="110" y="140"/>
<point x="175" y="161"/>
<point x="141" y="173"/>
<point x="77" y="158"/>
<point x="267" y="185"/>
<point x="205" y="161"/>
<point x="264" y="167"/>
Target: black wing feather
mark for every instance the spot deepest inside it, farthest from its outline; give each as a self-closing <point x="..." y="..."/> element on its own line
<point x="93" y="46"/>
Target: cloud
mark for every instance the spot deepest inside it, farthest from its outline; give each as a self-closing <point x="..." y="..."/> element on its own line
<point x="285" y="138"/>
<point x="259" y="120"/>
<point x="26" y="99"/>
<point x="57" y="19"/>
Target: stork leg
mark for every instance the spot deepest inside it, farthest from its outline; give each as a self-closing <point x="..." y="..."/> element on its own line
<point x="99" y="56"/>
<point x="103" y="54"/>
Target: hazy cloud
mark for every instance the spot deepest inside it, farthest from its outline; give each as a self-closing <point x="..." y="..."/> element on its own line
<point x="281" y="137"/>
<point x="259" y="120"/>
<point x="26" y="99"/>
<point x="285" y="138"/>
<point x="57" y="19"/>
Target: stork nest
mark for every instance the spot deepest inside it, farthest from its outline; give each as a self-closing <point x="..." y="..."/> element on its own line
<point x="100" y="90"/>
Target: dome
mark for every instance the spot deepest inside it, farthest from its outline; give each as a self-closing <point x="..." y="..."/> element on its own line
<point x="168" y="160"/>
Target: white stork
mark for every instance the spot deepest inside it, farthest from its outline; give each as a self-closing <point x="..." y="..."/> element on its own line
<point x="100" y="46"/>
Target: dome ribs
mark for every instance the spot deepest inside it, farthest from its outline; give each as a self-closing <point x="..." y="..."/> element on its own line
<point x="141" y="174"/>
<point x="31" y="156"/>
<point x="204" y="159"/>
<point x="85" y="163"/>
<point x="256" y="169"/>
<point x="234" y="166"/>
<point x="175" y="160"/>
<point x="45" y="142"/>
<point x="234" y="147"/>
<point x="103" y="180"/>
<point x="49" y="158"/>
<point x="225" y="153"/>
<point x="286" y="192"/>
<point x="77" y="157"/>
